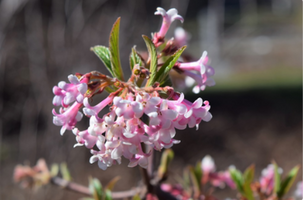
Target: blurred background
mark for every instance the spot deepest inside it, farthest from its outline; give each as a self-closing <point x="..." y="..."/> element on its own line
<point x="255" y="47"/>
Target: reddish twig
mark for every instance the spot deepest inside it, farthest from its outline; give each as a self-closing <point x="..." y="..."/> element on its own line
<point x="70" y="185"/>
<point x="75" y="187"/>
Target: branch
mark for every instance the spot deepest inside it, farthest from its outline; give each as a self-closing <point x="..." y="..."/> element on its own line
<point x="70" y="185"/>
<point x="75" y="187"/>
<point x="146" y="179"/>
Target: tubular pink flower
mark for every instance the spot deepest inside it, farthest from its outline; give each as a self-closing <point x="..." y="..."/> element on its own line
<point x="181" y="37"/>
<point x="165" y="135"/>
<point x="163" y="138"/>
<point x="198" y="66"/>
<point x="84" y="138"/>
<point x="197" y="110"/>
<point x="138" y="160"/>
<point x="94" y="110"/>
<point x="226" y="177"/>
<point x="128" y="108"/>
<point x="181" y="122"/>
<point x="150" y="105"/>
<point x="110" y="152"/>
<point x="194" y="114"/>
<point x="116" y="129"/>
<point x="163" y="117"/>
<point x="132" y="142"/>
<point x="203" y="77"/>
<point x="59" y="96"/>
<point x="68" y="118"/>
<point x="207" y="80"/>
<point x="97" y="126"/>
<point x="208" y="164"/>
<point x="102" y="157"/>
<point x="168" y="17"/>
<point x="177" y="105"/>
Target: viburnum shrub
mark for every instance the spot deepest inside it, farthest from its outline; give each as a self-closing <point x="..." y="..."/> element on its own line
<point x="143" y="113"/>
<point x="143" y="110"/>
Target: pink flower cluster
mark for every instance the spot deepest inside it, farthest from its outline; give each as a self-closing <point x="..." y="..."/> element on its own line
<point x="267" y="179"/>
<point x="65" y="94"/>
<point x="122" y="131"/>
<point x="176" y="190"/>
<point x="217" y="179"/>
<point x="138" y="116"/>
<point x="199" y="71"/>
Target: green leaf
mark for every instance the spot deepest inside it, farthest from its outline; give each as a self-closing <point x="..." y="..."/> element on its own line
<point x="195" y="182"/>
<point x="277" y="178"/>
<point x="54" y="170"/>
<point x="136" y="197"/>
<point x="153" y="60"/>
<point x="185" y="179"/>
<point x="248" y="193"/>
<point x="166" y="82"/>
<point x="236" y="176"/>
<point x="109" y="89"/>
<point x="175" y="58"/>
<point x="198" y="173"/>
<point x="167" y="157"/>
<point x="248" y="175"/>
<point x="95" y="188"/>
<point x="104" y="55"/>
<point x="134" y="58"/>
<point x="108" y="195"/>
<point x="65" y="172"/>
<point x="168" y="65"/>
<point x="288" y="181"/>
<point x="114" y="51"/>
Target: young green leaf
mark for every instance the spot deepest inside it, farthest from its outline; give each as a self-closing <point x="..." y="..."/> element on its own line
<point x="167" y="157"/>
<point x="153" y="61"/>
<point x="288" y="181"/>
<point x="166" y="82"/>
<point x="195" y="181"/>
<point x="65" y="172"/>
<point x="247" y="191"/>
<point x="134" y="58"/>
<point x="54" y="170"/>
<point x="277" y="178"/>
<point x="103" y="54"/>
<point x="248" y="175"/>
<point x="114" y="51"/>
<point x="185" y="180"/>
<point x="198" y="173"/>
<point x="236" y="176"/>
<point x="95" y="188"/>
<point x="167" y="66"/>
<point x="175" y="58"/>
<point x="136" y="197"/>
<point x="108" y="195"/>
